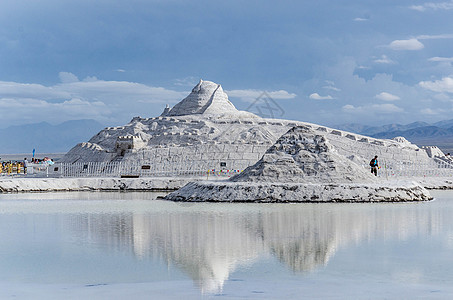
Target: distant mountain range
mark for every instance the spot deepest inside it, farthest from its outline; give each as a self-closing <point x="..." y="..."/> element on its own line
<point x="47" y="138"/>
<point x="421" y="133"/>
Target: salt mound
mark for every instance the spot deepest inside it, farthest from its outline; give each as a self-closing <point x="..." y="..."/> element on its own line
<point x="405" y="143"/>
<point x="206" y="97"/>
<point x="301" y="155"/>
<point x="302" y="167"/>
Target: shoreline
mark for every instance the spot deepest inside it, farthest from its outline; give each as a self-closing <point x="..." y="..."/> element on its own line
<point x="153" y="184"/>
<point x="36" y="185"/>
<point x="278" y="192"/>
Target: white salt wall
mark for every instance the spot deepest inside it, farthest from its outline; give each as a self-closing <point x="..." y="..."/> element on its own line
<point x="230" y="140"/>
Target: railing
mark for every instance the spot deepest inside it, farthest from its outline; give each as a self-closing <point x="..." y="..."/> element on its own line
<point x="437" y="168"/>
<point x="128" y="169"/>
<point x="209" y="168"/>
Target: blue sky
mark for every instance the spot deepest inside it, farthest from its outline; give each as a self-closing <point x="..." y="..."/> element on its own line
<point x="327" y="62"/>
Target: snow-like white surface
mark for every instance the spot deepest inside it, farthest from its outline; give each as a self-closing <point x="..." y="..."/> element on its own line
<point x="300" y="192"/>
<point x="8" y="185"/>
<point x="205" y="126"/>
<point x="14" y="185"/>
<point x="206" y="97"/>
<point x="302" y="155"/>
<point x="433" y="151"/>
<point x="205" y="129"/>
<point x="302" y="166"/>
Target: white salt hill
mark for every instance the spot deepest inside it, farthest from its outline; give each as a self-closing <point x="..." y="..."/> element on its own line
<point x="206" y="98"/>
<point x="302" y="166"/>
<point x="205" y="129"/>
<point x="204" y="117"/>
<point x="205" y="126"/>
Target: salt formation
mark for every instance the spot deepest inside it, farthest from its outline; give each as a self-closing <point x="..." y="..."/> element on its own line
<point x="203" y="126"/>
<point x="301" y="166"/>
<point x="300" y="155"/>
<point x="205" y="131"/>
<point x="434" y="151"/>
<point x="206" y="98"/>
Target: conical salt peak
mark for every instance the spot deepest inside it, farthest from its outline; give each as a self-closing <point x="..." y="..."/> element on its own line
<point x="207" y="97"/>
<point x="205" y="86"/>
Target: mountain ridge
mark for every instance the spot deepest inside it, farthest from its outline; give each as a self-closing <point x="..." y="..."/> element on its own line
<point x="421" y="133"/>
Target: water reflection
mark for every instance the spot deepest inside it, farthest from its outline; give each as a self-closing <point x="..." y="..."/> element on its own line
<point x="209" y="241"/>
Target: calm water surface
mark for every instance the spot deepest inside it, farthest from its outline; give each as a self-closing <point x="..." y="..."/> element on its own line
<point x="117" y="245"/>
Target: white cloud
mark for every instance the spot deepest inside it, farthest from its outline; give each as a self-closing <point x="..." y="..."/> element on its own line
<point x="66" y="77"/>
<point x="384" y="60"/>
<point x="358" y="94"/>
<point x="31" y="90"/>
<point x="105" y="101"/>
<point x="387" y="97"/>
<point x="36" y="110"/>
<point x="360" y="19"/>
<point x="411" y="44"/>
<point x="189" y="81"/>
<point x="90" y="79"/>
<point x="445" y="85"/>
<point x="432" y="112"/>
<point x="351" y="108"/>
<point x="434" y="6"/>
<point x="435" y="37"/>
<point x="251" y="95"/>
<point x="316" y="96"/>
<point x="375" y="108"/>
<point x="13" y="103"/>
<point x="442" y="97"/>
<point x="441" y="59"/>
<point x="331" y="86"/>
<point x="417" y="7"/>
<point x="121" y="91"/>
<point x="386" y="108"/>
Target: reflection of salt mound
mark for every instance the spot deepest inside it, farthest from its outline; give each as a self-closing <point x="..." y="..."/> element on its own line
<point x="301" y="167"/>
<point x="294" y="239"/>
<point x="207" y="247"/>
<point x="302" y="156"/>
<point x="206" y="98"/>
<point x="208" y="243"/>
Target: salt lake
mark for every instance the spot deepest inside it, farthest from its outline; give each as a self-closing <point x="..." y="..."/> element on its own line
<point x="116" y="245"/>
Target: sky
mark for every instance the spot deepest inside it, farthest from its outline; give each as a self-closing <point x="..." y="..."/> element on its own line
<point x="326" y="62"/>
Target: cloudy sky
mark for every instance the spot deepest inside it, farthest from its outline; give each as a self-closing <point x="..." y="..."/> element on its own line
<point x="328" y="62"/>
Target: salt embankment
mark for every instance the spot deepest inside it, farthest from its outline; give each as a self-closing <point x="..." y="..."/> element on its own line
<point x="164" y="184"/>
<point x="18" y="185"/>
<point x="435" y="183"/>
<point x="302" y="166"/>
